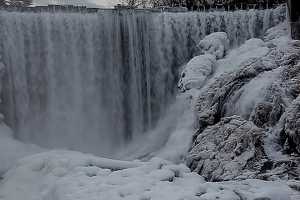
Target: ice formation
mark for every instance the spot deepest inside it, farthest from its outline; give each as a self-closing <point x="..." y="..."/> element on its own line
<point x="196" y="72"/>
<point x="247" y="114"/>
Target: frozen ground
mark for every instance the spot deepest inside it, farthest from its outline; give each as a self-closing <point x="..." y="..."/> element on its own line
<point x="11" y="150"/>
<point x="66" y="175"/>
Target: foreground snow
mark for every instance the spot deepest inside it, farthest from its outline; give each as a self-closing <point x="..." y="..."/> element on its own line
<point x="12" y="150"/>
<point x="72" y="175"/>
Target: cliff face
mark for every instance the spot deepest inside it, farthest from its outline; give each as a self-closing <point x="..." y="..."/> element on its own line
<point x="248" y="113"/>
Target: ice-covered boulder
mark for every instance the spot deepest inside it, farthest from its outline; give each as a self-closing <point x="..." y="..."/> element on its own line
<point x="210" y="107"/>
<point x="226" y="150"/>
<point x="196" y="72"/>
<point x="256" y="84"/>
<point x="262" y="100"/>
<point x="215" y="43"/>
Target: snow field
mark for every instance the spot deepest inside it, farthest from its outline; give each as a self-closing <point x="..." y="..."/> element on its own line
<point x="66" y="175"/>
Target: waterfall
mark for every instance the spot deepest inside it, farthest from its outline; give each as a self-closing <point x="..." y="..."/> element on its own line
<point x="92" y="82"/>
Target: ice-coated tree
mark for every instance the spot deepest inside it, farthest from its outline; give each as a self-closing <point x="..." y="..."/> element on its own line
<point x="134" y="3"/>
<point x="172" y="3"/>
<point x="152" y="3"/>
<point x="175" y="3"/>
<point x="3" y="2"/>
<point x="20" y="2"/>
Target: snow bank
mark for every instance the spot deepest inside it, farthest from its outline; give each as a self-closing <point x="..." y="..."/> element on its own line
<point x="64" y="175"/>
<point x="272" y="193"/>
<point x="11" y="150"/>
<point x="226" y="150"/>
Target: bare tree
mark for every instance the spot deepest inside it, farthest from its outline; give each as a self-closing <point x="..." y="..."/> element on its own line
<point x="135" y="3"/>
<point x="189" y="3"/>
<point x="3" y="2"/>
<point x="20" y="2"/>
<point x="153" y="3"/>
<point x="172" y="3"/>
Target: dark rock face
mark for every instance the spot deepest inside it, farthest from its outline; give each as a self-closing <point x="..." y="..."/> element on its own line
<point x="295" y="30"/>
<point x="248" y="119"/>
<point x="292" y="128"/>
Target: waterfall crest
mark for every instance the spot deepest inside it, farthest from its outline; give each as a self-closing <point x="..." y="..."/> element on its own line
<point x="92" y="82"/>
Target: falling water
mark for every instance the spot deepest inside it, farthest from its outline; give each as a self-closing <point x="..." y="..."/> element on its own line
<point x="92" y="82"/>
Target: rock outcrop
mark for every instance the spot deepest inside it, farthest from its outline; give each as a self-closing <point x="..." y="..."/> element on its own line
<point x="212" y="48"/>
<point x="248" y="115"/>
<point x="224" y="151"/>
<point x="213" y="102"/>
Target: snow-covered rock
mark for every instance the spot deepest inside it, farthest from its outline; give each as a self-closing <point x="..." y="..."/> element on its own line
<point x="215" y="43"/>
<point x="212" y="100"/>
<point x="291" y="130"/>
<point x="257" y="91"/>
<point x="212" y="48"/>
<point x="262" y="100"/>
<point x="227" y="150"/>
<point x="196" y="72"/>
